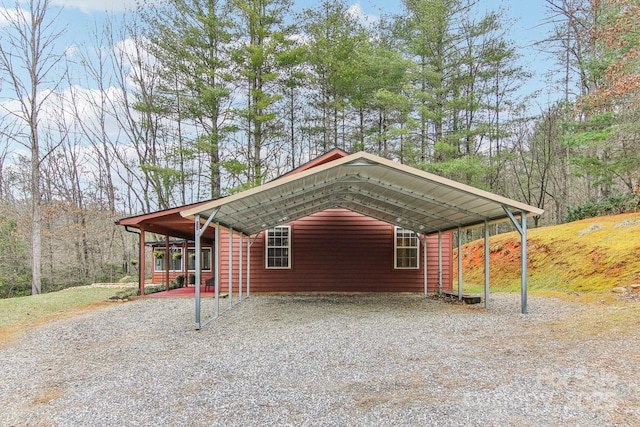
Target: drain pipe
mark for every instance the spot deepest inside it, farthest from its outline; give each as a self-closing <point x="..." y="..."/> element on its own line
<point x="140" y="263"/>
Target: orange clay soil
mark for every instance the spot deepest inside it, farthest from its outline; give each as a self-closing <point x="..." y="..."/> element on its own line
<point x="592" y="255"/>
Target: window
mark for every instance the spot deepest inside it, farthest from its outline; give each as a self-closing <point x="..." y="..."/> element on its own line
<point x="407" y="247"/>
<point x="278" y="247"/>
<point x="205" y="260"/>
<point x="175" y="259"/>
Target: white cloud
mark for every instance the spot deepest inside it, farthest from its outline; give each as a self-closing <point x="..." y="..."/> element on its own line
<point x="71" y="50"/>
<point x="366" y="20"/>
<point x="8" y="16"/>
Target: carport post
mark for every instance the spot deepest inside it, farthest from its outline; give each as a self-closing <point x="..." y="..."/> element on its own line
<point x="249" y="243"/>
<point x="230" y="255"/>
<point x="240" y="268"/>
<point x="521" y="226"/>
<point x="199" y="231"/>
<point x="216" y="274"/>
<point x="424" y="263"/>
<point x="486" y="264"/>
<point x="459" y="263"/>
<point x="439" y="262"/>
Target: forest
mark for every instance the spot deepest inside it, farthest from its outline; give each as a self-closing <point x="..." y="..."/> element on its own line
<point x="178" y="101"/>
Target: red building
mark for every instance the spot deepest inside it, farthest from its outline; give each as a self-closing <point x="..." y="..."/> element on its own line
<point x="340" y="223"/>
<point x="334" y="250"/>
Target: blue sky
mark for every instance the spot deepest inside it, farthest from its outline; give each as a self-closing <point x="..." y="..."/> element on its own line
<point x="527" y="23"/>
<point x="526" y="26"/>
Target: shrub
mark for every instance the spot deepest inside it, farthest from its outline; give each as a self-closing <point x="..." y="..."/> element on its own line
<point x="154" y="289"/>
<point x="616" y="204"/>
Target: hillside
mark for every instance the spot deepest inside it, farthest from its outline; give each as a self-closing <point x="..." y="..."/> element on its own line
<point x="596" y="254"/>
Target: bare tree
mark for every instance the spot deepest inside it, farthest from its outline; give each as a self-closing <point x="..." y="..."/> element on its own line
<point x="92" y="110"/>
<point x="28" y="60"/>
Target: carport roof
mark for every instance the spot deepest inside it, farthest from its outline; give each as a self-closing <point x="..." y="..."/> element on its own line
<point x="366" y="184"/>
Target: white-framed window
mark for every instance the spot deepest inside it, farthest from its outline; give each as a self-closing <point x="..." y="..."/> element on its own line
<point x="278" y="247"/>
<point x="406" y="248"/>
<point x="176" y="258"/>
<point x="205" y="260"/>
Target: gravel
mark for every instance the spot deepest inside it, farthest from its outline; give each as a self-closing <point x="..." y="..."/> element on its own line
<point x="321" y="360"/>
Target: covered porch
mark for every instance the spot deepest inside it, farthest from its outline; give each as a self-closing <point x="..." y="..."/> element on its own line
<point x="169" y="225"/>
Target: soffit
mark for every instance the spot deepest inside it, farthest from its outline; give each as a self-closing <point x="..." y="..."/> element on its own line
<point x="367" y="184"/>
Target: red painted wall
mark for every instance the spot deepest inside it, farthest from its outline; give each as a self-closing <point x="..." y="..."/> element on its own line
<point x="337" y="251"/>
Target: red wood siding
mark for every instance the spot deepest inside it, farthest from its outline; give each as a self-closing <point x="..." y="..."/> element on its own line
<point x="337" y="251"/>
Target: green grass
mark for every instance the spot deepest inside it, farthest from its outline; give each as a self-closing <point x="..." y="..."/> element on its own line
<point x="22" y="311"/>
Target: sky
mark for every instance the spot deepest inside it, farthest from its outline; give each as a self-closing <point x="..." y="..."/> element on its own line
<point x="526" y="23"/>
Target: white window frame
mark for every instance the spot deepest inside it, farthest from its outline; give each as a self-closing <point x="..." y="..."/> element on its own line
<point x="206" y="255"/>
<point x="171" y="261"/>
<point x="287" y="247"/>
<point x="396" y="247"/>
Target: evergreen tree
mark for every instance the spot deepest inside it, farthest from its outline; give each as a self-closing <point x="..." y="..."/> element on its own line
<point x="191" y="39"/>
<point x="263" y="40"/>
<point x="333" y="39"/>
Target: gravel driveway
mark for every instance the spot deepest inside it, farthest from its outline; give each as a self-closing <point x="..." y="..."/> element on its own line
<point x="323" y="360"/>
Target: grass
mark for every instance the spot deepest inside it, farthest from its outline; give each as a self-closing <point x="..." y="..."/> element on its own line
<point x="35" y="309"/>
<point x="589" y="256"/>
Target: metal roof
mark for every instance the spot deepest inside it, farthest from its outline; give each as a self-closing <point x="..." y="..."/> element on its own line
<point x="366" y="184"/>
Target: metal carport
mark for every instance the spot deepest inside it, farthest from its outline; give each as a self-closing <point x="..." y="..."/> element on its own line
<point x="375" y="187"/>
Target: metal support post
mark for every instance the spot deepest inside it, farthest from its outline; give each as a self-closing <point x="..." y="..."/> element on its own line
<point x="230" y="256"/>
<point x="240" y="268"/>
<point x="250" y="243"/>
<point x="459" y="263"/>
<point x="521" y="226"/>
<point x="199" y="231"/>
<point x="439" y="263"/>
<point x="424" y="263"/>
<point x="216" y="274"/>
<point x="486" y="264"/>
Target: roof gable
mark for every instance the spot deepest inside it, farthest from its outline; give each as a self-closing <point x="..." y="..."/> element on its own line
<point x="369" y="185"/>
<point x="330" y="156"/>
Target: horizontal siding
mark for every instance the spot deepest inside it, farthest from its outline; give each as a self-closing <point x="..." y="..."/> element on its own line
<point x="336" y="251"/>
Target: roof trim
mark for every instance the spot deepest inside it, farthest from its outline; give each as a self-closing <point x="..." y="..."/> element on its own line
<point x="137" y="219"/>
<point x="330" y="156"/>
